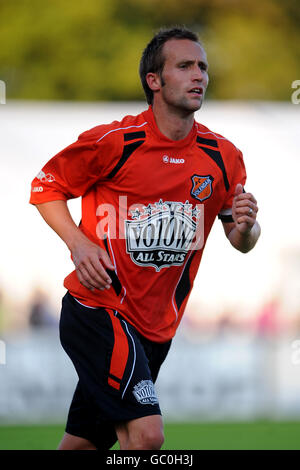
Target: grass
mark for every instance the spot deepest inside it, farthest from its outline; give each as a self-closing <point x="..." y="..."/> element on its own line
<point x="261" y="435"/>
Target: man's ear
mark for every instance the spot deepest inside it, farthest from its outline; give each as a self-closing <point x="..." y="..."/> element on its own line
<point x="153" y="81"/>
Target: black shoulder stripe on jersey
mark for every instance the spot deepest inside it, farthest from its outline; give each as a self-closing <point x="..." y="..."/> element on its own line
<point x="115" y="282"/>
<point x="127" y="151"/>
<point x="211" y="142"/>
<point x="134" y="135"/>
<point x="225" y="218"/>
<point x="184" y="285"/>
<point x="217" y="158"/>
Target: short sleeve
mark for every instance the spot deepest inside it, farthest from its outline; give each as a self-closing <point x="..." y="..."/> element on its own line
<point x="71" y="172"/>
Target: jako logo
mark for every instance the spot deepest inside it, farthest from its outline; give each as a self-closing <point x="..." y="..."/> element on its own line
<point x="167" y="159"/>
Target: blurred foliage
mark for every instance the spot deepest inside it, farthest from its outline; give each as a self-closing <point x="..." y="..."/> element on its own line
<point x="90" y="50"/>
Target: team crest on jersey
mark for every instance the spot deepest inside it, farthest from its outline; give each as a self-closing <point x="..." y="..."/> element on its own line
<point x="202" y="187"/>
<point x="144" y="392"/>
<point x="161" y="234"/>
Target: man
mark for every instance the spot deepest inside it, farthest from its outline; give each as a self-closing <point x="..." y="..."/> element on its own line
<point x="151" y="186"/>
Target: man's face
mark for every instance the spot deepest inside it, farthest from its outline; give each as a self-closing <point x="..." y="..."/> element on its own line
<point x="184" y="78"/>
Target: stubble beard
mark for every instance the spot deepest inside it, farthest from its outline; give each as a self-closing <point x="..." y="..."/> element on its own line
<point x="183" y="106"/>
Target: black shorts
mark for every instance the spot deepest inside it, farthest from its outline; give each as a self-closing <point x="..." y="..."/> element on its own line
<point x="116" y="366"/>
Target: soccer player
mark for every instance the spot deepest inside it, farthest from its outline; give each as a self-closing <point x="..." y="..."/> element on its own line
<point x="151" y="187"/>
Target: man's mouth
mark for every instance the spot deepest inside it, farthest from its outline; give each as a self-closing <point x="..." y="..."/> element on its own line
<point x="196" y="91"/>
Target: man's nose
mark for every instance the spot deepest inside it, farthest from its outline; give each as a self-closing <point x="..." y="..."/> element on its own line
<point x="197" y="74"/>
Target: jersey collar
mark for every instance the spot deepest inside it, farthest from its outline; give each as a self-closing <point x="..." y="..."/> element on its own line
<point x="149" y="117"/>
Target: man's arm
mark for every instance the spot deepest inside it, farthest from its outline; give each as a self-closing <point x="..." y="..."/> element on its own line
<point x="89" y="259"/>
<point x="244" y="232"/>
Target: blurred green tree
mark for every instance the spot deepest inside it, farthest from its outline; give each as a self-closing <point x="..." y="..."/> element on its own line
<point x="62" y="50"/>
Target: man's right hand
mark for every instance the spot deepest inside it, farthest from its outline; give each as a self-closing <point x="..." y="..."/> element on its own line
<point x="91" y="263"/>
<point x="90" y="260"/>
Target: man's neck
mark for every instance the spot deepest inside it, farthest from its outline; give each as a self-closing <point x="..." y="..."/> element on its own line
<point x="172" y="124"/>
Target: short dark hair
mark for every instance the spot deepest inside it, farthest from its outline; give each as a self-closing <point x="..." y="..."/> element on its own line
<point x="152" y="58"/>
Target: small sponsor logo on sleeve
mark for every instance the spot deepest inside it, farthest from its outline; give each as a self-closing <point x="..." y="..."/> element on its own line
<point x="45" y="177"/>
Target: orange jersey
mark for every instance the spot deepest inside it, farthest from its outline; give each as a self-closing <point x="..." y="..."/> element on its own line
<point x="150" y="202"/>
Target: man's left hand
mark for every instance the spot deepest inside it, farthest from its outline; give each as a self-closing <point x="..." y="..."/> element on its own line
<point x="244" y="210"/>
